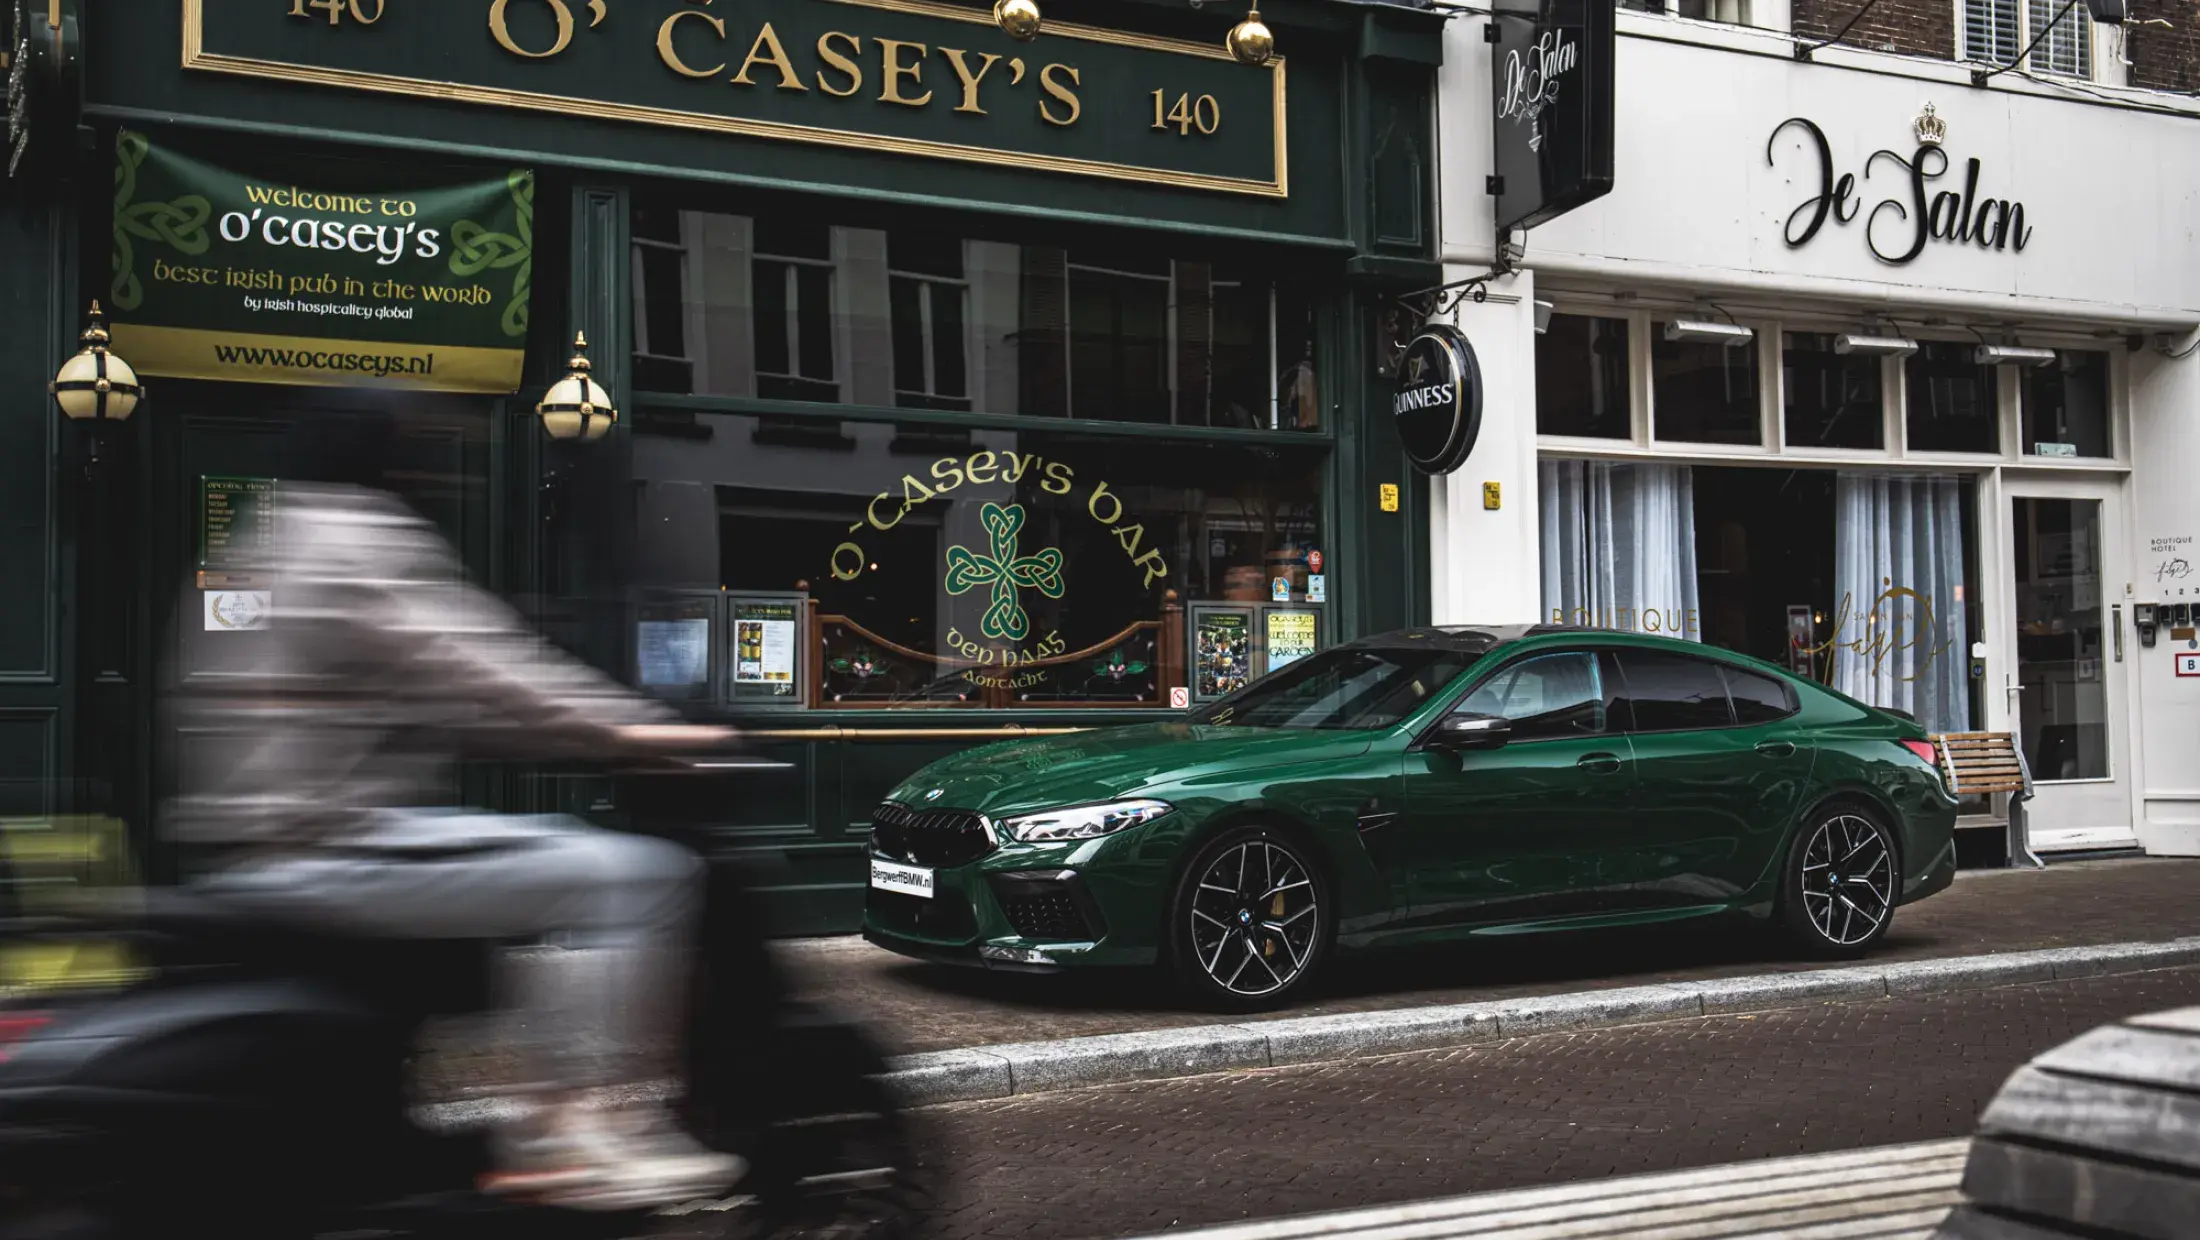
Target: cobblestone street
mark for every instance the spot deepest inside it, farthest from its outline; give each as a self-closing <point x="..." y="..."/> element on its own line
<point x="1136" y="1159"/>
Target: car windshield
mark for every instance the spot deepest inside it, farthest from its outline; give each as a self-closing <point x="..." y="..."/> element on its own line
<point x="1347" y="687"/>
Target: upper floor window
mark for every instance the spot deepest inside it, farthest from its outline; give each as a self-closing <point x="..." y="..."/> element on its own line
<point x="1733" y="12"/>
<point x="1994" y="31"/>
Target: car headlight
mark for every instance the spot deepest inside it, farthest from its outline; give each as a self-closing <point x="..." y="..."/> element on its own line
<point x="1083" y="822"/>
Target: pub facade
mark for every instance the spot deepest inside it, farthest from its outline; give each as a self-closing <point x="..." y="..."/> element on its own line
<point x="942" y="385"/>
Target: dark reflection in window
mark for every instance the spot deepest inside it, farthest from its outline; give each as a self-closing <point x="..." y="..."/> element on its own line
<point x="974" y="567"/>
<point x="1832" y="400"/>
<point x="1581" y="378"/>
<point x="795" y="308"/>
<point x="2057" y="560"/>
<point x="2066" y="405"/>
<point x="1704" y="391"/>
<point x="1954" y="402"/>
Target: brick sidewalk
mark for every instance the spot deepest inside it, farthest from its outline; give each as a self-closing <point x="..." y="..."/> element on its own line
<point x="914" y="1006"/>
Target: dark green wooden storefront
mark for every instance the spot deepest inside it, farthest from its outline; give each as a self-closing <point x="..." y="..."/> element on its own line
<point x="622" y="141"/>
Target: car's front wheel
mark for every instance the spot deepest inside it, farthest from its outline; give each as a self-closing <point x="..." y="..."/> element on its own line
<point x="1843" y="877"/>
<point x="1250" y="921"/>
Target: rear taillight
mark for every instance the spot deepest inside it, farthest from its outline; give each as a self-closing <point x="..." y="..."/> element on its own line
<point x="20" y="1027"/>
<point x="1924" y="750"/>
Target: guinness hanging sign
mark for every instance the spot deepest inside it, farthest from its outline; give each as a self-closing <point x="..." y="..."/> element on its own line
<point x="1439" y="400"/>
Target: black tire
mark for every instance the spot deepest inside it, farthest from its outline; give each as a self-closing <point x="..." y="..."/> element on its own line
<point x="1289" y="920"/>
<point x="1841" y="882"/>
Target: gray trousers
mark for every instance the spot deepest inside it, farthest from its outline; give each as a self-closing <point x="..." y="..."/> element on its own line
<point x="599" y="1005"/>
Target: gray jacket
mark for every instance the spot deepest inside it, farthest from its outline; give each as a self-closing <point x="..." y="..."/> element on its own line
<point x="383" y="667"/>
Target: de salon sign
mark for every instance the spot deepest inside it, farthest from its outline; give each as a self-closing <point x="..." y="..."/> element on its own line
<point x="1925" y="207"/>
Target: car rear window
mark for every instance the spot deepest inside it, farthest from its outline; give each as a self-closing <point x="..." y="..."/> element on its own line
<point x="1672" y="693"/>
<point x="1757" y="699"/>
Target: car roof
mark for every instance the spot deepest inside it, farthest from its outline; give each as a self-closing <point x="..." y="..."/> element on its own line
<point x="1483" y="638"/>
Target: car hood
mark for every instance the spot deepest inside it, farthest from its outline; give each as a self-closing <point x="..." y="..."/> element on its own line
<point x="1085" y="767"/>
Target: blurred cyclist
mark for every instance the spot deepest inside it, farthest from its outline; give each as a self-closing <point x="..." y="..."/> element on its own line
<point x="383" y="667"/>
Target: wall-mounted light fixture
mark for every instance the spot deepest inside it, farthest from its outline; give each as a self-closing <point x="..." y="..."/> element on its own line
<point x="577" y="407"/>
<point x="1996" y="354"/>
<point x="96" y="386"/>
<point x="1018" y="19"/>
<point x="1251" y="41"/>
<point x="1699" y="331"/>
<point x="1543" y="311"/>
<point x="1875" y="346"/>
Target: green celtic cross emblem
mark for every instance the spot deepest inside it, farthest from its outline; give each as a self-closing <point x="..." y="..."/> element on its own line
<point x="1004" y="570"/>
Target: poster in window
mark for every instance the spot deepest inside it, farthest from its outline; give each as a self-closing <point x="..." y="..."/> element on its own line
<point x="1292" y="635"/>
<point x="1222" y="643"/>
<point x="765" y="649"/>
<point x="236" y="523"/>
<point x="672" y="647"/>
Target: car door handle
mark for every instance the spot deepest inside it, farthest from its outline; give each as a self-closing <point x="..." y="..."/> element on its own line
<point x="1777" y="749"/>
<point x="1601" y="763"/>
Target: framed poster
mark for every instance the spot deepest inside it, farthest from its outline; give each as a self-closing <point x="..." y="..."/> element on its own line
<point x="1221" y="649"/>
<point x="768" y="663"/>
<point x="1289" y="634"/>
<point x="672" y="646"/>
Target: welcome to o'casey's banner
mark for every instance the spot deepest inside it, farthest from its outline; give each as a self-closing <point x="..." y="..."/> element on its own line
<point x="221" y="275"/>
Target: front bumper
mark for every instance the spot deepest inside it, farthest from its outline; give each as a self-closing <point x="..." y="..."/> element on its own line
<point x="1022" y="908"/>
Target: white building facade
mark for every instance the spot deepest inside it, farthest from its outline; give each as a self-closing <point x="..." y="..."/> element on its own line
<point x="1970" y="531"/>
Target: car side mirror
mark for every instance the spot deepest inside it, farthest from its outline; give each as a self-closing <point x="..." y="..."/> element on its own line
<point x="1469" y="731"/>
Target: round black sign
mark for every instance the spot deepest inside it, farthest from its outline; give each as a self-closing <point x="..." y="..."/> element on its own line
<point x="1439" y="400"/>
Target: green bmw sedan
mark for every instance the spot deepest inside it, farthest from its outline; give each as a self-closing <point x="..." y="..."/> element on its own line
<point x="1418" y="787"/>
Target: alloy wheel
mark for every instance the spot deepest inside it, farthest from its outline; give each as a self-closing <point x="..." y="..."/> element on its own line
<point x="1848" y="880"/>
<point x="1255" y="919"/>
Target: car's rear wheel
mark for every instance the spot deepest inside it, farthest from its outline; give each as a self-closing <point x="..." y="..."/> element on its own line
<point x="1843" y="877"/>
<point x="1251" y="920"/>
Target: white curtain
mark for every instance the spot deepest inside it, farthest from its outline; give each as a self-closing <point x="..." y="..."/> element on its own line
<point x="1899" y="620"/>
<point x="1619" y="546"/>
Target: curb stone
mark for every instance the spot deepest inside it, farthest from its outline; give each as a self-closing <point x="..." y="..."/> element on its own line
<point x="973" y="1074"/>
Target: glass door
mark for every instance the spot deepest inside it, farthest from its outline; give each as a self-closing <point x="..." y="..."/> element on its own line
<point x="2064" y="681"/>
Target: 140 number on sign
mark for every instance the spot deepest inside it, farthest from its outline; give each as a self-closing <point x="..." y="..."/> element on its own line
<point x="1205" y="113"/>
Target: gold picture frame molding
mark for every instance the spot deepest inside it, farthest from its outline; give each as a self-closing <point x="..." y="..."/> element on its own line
<point x="196" y="57"/>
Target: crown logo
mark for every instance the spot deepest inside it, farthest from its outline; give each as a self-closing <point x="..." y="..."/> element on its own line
<point x="1930" y="129"/>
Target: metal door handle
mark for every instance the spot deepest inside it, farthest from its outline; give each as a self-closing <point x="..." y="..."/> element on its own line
<point x="1601" y="763"/>
<point x="1776" y="749"/>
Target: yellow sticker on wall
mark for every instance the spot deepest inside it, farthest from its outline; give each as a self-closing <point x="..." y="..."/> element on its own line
<point x="1390" y="497"/>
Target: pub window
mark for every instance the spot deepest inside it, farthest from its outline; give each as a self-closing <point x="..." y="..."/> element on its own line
<point x="1954" y="402"/>
<point x="997" y="569"/>
<point x="931" y="305"/>
<point x="1704" y="391"/>
<point x="794" y="308"/>
<point x="1832" y="400"/>
<point x="793" y="277"/>
<point x="2066" y="405"/>
<point x="1581" y="386"/>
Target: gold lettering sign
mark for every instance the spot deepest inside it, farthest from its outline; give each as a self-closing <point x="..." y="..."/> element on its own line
<point x="912" y="77"/>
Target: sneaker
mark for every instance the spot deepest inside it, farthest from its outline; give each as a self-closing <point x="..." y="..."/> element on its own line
<point x="594" y="1167"/>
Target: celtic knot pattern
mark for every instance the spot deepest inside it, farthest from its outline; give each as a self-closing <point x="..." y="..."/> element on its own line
<point x="1005" y="571"/>
<point x="180" y="224"/>
<point x="476" y="249"/>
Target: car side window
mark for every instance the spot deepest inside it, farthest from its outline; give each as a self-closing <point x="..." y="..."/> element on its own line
<point x="1757" y="699"/>
<point x="1674" y="693"/>
<point x="1545" y="697"/>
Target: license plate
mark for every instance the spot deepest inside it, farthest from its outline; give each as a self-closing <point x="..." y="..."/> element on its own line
<point x="909" y="880"/>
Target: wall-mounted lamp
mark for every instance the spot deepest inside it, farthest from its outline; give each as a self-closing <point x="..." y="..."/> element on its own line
<point x="96" y="386"/>
<point x="1543" y="311"/>
<point x="1874" y="346"/>
<point x="577" y="407"/>
<point x="1018" y="19"/>
<point x="1996" y="354"/>
<point x="1693" y="331"/>
<point x="1251" y="41"/>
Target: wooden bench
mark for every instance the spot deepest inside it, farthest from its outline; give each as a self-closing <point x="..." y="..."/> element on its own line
<point x="2093" y="1139"/>
<point x="1990" y="764"/>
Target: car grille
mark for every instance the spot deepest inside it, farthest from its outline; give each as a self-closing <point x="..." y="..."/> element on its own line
<point x="1047" y="917"/>
<point x="931" y="837"/>
<point x="948" y="918"/>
